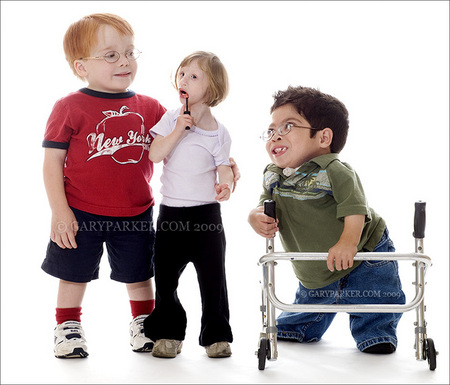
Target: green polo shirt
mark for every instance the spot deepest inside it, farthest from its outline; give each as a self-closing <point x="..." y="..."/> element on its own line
<point x="311" y="205"/>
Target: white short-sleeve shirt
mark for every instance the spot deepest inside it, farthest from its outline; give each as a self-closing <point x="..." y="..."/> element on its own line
<point x="189" y="172"/>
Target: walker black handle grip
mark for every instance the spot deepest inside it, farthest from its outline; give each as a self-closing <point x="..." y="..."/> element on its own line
<point x="419" y="220"/>
<point x="270" y="209"/>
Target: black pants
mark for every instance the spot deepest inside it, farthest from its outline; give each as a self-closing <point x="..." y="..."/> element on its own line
<point x="190" y="234"/>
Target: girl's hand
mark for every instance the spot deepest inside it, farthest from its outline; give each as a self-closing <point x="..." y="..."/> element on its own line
<point x="223" y="192"/>
<point x="183" y="121"/>
<point x="64" y="228"/>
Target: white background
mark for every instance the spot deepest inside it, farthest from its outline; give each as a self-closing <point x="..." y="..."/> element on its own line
<point x="387" y="61"/>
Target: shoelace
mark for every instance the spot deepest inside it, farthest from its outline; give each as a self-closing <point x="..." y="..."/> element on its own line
<point x="139" y="322"/>
<point x="73" y="331"/>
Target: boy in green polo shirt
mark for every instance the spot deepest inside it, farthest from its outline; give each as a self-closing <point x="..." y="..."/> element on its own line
<point x="321" y="207"/>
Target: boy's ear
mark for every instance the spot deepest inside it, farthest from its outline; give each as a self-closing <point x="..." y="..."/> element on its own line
<point x="326" y="137"/>
<point x="80" y="68"/>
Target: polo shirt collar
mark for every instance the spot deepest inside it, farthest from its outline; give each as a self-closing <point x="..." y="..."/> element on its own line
<point x="322" y="161"/>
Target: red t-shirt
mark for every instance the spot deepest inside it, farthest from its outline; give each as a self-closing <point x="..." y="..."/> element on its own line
<point x="107" y="170"/>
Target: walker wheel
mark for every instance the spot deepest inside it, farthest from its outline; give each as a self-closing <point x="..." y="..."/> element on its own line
<point x="263" y="353"/>
<point x="430" y="353"/>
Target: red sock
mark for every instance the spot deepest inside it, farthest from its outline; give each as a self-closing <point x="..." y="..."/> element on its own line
<point x="142" y="307"/>
<point x="68" y="314"/>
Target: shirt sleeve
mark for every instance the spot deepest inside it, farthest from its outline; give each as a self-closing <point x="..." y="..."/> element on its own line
<point x="347" y="191"/>
<point x="266" y="194"/>
<point x="59" y="128"/>
<point x="165" y="126"/>
<point x="222" y="155"/>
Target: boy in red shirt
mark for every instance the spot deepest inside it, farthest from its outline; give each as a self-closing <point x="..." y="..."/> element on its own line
<point x="97" y="174"/>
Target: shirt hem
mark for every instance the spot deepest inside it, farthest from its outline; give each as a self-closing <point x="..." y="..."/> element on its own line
<point x="111" y="211"/>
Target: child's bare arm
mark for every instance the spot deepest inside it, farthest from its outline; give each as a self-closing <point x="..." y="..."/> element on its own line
<point x="162" y="145"/>
<point x="262" y="224"/>
<point x="236" y="172"/>
<point x="64" y="225"/>
<point x="226" y="180"/>
<point x="341" y="255"/>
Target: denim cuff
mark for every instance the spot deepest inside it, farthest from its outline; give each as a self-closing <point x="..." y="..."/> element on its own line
<point x="375" y="341"/>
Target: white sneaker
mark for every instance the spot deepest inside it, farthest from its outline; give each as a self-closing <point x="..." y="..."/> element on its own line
<point x="138" y="340"/>
<point x="70" y="341"/>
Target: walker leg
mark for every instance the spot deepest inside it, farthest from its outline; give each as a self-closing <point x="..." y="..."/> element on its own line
<point x="420" y="324"/>
<point x="424" y="346"/>
<point x="271" y="328"/>
<point x="267" y="345"/>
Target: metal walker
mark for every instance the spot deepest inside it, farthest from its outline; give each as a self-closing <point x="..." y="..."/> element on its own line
<point x="267" y="345"/>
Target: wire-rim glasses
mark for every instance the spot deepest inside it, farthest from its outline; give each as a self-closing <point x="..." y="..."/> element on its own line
<point x="282" y="130"/>
<point x="114" y="56"/>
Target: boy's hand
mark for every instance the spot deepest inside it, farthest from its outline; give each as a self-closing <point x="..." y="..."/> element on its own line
<point x="223" y="192"/>
<point x="263" y="224"/>
<point x="341" y="256"/>
<point x="342" y="253"/>
<point x="64" y="229"/>
<point x="236" y="172"/>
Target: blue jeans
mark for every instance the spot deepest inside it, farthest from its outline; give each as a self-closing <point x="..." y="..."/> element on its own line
<point x="372" y="282"/>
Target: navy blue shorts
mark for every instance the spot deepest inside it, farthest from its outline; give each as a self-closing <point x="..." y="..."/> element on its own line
<point x="129" y="242"/>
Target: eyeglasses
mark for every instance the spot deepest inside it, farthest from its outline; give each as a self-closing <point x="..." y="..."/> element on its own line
<point x="282" y="130"/>
<point x="113" y="56"/>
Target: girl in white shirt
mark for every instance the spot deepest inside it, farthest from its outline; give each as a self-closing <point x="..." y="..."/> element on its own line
<point x="196" y="176"/>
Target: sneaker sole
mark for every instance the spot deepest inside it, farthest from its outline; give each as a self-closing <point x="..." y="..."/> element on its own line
<point x="164" y="355"/>
<point x="220" y="355"/>
<point x="77" y="353"/>
<point x="148" y="347"/>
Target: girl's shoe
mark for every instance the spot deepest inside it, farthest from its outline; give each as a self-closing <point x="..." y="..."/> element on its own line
<point x="218" y="350"/>
<point x="167" y="348"/>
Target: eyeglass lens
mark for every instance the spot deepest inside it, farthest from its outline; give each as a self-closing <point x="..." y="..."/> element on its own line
<point x="269" y="133"/>
<point x="113" y="56"/>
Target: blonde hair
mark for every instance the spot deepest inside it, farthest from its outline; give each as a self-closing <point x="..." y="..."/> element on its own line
<point x="211" y="65"/>
<point x="81" y="36"/>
